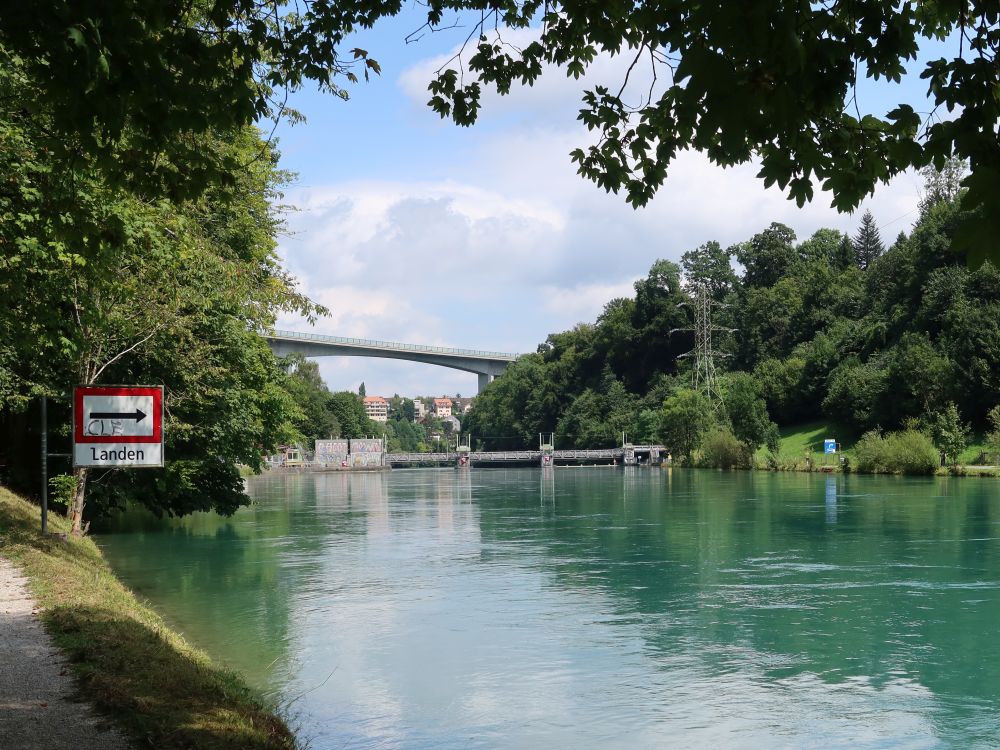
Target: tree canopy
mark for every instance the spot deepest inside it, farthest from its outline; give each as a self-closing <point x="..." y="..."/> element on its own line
<point x="767" y="81"/>
<point x="101" y="282"/>
<point x="817" y="338"/>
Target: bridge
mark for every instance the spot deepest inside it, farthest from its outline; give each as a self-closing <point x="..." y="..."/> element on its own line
<point x="487" y="365"/>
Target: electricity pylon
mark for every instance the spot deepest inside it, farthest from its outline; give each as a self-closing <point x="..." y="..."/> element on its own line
<point x="704" y="354"/>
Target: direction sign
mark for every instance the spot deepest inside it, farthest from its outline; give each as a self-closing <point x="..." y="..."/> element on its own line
<point x="118" y="426"/>
<point x="829" y="446"/>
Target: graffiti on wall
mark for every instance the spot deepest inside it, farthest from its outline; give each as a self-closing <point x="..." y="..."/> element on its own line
<point x="366" y="452"/>
<point x="331" y="451"/>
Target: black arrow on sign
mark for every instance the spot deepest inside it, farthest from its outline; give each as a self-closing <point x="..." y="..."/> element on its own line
<point x="137" y="415"/>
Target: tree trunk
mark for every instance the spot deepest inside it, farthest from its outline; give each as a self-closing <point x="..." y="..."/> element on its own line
<point x="79" y="498"/>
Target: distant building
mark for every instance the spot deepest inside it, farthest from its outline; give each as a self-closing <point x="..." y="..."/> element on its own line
<point x="452" y="423"/>
<point x="461" y="405"/>
<point x="419" y="410"/>
<point x="442" y="407"/>
<point x="377" y="408"/>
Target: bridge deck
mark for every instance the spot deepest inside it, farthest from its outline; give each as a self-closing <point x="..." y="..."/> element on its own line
<point x="390" y="346"/>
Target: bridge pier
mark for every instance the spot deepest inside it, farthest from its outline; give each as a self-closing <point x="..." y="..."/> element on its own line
<point x="628" y="455"/>
<point x="484" y="380"/>
<point x="546" y="460"/>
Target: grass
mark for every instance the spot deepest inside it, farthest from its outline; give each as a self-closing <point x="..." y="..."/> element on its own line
<point x="797" y="440"/>
<point x="976" y="447"/>
<point x="159" y="689"/>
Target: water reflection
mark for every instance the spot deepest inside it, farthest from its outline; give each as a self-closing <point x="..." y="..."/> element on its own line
<point x="831" y="500"/>
<point x="599" y="607"/>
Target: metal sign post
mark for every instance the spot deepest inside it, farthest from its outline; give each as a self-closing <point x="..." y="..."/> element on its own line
<point x="45" y="465"/>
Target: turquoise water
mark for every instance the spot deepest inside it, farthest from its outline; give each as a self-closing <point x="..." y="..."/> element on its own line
<point x="596" y="607"/>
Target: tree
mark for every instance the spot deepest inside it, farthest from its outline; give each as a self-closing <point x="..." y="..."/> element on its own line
<point x="825" y="245"/>
<point x="857" y="393"/>
<point x="684" y="419"/>
<point x="657" y="311"/>
<point x="710" y="265"/>
<point x="949" y="433"/>
<point x="871" y="348"/>
<point x="741" y="83"/>
<point x="775" y="83"/>
<point x="993" y="436"/>
<point x="312" y="397"/>
<point x="768" y="256"/>
<point x="361" y="390"/>
<point x="867" y="242"/>
<point x="781" y="387"/>
<point x="130" y="81"/>
<point x="349" y="411"/>
<point x="747" y="412"/>
<point x="102" y="283"/>
<point x="942" y="185"/>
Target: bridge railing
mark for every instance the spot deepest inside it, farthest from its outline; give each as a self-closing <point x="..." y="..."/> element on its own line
<point x="588" y="453"/>
<point x="419" y="458"/>
<point x="394" y="345"/>
<point x="505" y="456"/>
<point x="530" y="455"/>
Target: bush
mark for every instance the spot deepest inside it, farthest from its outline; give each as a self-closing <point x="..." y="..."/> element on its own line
<point x="62" y="487"/>
<point x="906" y="452"/>
<point x="775" y="461"/>
<point x="722" y="450"/>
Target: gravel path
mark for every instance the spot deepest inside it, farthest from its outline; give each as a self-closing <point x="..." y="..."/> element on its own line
<point x="37" y="706"/>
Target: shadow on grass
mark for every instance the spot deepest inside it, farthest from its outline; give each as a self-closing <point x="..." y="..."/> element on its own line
<point x="159" y="694"/>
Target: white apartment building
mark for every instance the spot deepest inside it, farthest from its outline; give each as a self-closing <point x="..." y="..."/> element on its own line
<point x="377" y="408"/>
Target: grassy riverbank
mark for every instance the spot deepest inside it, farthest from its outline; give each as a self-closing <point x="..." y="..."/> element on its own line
<point x="159" y="689"/>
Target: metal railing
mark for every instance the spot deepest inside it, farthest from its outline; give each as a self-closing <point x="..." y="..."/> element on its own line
<point x="582" y="454"/>
<point x="419" y="458"/>
<point x="391" y="345"/>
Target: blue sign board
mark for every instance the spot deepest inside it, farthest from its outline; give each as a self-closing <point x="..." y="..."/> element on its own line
<point x="829" y="446"/>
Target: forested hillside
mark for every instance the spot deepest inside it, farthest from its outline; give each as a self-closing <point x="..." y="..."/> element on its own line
<point x="830" y="326"/>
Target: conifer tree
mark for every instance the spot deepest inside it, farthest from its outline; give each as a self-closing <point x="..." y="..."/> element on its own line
<point x="844" y="257"/>
<point x="867" y="242"/>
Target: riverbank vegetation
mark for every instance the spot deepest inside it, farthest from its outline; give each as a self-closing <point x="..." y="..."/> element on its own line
<point x="163" y="692"/>
<point x="837" y="333"/>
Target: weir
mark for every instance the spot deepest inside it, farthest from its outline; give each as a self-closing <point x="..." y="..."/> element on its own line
<point x="626" y="455"/>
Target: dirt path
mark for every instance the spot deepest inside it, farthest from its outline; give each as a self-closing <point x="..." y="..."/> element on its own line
<point x="37" y="706"/>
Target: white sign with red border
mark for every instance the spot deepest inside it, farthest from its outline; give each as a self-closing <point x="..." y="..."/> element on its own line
<point x="119" y="425"/>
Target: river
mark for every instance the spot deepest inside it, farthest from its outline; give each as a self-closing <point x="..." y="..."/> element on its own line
<point x="595" y="607"/>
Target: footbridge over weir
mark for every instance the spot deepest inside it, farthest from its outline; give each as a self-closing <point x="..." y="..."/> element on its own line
<point x="487" y="365"/>
<point x="628" y="455"/>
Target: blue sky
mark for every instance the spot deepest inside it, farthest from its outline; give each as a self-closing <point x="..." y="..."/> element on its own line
<point x="412" y="229"/>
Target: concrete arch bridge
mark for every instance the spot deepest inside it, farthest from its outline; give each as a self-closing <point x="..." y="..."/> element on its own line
<point x="487" y="365"/>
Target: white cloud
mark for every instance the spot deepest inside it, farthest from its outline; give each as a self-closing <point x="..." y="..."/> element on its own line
<point x="583" y="302"/>
<point x="511" y="244"/>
